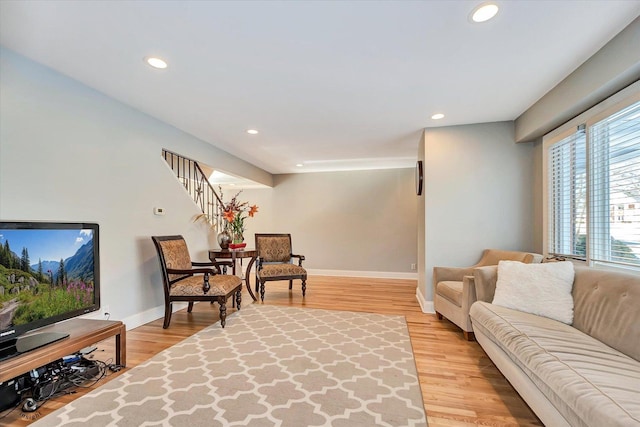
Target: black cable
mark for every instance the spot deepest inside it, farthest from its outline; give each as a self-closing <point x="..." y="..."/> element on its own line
<point x="79" y="379"/>
<point x="113" y="367"/>
<point x="58" y="377"/>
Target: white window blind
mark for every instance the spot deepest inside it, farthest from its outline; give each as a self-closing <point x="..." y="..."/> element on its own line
<point x="593" y="186"/>
<point x="567" y="196"/>
<point x="615" y="187"/>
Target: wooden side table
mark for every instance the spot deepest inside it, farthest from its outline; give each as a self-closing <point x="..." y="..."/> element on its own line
<point x="82" y="333"/>
<point x="233" y="255"/>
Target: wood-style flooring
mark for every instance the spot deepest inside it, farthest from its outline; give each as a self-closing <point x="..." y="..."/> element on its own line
<point x="460" y="385"/>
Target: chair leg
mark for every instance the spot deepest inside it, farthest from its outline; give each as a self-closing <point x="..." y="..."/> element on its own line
<point x="223" y="311"/>
<point x="238" y="298"/>
<point x="304" y="287"/>
<point x="262" y="291"/>
<point x="290" y="284"/>
<point x="167" y="315"/>
<point x="190" y="307"/>
<point x="439" y="316"/>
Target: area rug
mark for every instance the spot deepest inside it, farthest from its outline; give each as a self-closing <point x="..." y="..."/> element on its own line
<point x="270" y="366"/>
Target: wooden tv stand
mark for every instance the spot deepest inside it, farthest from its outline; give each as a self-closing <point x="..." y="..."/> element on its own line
<point x="82" y="333"/>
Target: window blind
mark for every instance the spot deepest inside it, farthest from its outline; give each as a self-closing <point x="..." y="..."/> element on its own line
<point x="615" y="187"/>
<point x="567" y="196"/>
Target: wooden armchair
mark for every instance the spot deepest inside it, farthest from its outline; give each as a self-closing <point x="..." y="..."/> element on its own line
<point x="275" y="261"/>
<point x="183" y="282"/>
<point x="454" y="289"/>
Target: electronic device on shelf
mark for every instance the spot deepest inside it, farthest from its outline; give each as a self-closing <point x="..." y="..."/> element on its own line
<point x="49" y="272"/>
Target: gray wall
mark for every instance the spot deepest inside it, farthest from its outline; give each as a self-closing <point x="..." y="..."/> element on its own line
<point x="356" y="222"/>
<point x="537" y="195"/>
<point x="609" y="70"/>
<point x="69" y="153"/>
<point x="478" y="195"/>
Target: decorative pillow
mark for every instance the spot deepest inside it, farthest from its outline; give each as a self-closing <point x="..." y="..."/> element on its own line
<point x="542" y="289"/>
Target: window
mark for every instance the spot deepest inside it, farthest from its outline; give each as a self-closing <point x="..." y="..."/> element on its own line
<point x="593" y="186"/>
<point x="568" y="196"/>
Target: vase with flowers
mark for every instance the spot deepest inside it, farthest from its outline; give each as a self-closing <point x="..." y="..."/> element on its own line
<point x="231" y="218"/>
<point x="234" y="213"/>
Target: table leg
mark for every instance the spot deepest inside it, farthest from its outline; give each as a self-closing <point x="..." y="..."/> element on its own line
<point x="121" y="347"/>
<point x="247" y="276"/>
<point x="233" y="271"/>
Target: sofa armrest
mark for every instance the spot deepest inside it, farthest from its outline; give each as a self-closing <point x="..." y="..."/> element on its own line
<point x="485" y="279"/>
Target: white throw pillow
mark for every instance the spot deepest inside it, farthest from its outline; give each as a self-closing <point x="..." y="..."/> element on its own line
<point x="542" y="289"/>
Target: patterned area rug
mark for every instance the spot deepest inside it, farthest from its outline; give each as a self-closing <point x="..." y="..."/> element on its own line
<point x="270" y="366"/>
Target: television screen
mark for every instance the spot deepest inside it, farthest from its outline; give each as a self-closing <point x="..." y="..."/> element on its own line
<point x="48" y="272"/>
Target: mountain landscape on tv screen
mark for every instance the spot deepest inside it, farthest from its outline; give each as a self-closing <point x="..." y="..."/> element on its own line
<point x="29" y="292"/>
<point x="78" y="266"/>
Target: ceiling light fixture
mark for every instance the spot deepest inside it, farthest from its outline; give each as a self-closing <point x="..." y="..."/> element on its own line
<point x="484" y="12"/>
<point x="299" y="165"/>
<point x="437" y="116"/>
<point x="155" y="62"/>
<point x="252" y="132"/>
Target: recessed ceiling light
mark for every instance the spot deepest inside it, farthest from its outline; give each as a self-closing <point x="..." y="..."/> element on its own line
<point x="156" y="62"/>
<point x="252" y="132"/>
<point x="437" y="116"/>
<point x="484" y="12"/>
<point x="299" y="165"/>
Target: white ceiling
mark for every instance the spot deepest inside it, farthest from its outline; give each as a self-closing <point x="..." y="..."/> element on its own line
<point x="334" y="85"/>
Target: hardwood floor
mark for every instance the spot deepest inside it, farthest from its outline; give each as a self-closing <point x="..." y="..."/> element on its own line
<point x="460" y="385"/>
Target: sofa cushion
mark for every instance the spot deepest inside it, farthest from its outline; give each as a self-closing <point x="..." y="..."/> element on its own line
<point x="607" y="307"/>
<point x="542" y="289"/>
<point x="589" y="383"/>
<point x="451" y="290"/>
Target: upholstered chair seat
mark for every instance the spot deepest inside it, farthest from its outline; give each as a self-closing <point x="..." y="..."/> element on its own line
<point x="275" y="262"/>
<point x="281" y="270"/>
<point x="192" y="281"/>
<point x="454" y="289"/>
<point x="192" y="286"/>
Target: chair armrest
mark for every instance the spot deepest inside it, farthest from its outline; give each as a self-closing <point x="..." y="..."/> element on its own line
<point x="440" y="274"/>
<point x="216" y="264"/>
<point x="203" y="264"/>
<point x="205" y="278"/>
<point x="192" y="271"/>
<point x="485" y="279"/>
<point x="468" y="293"/>
<point x="300" y="258"/>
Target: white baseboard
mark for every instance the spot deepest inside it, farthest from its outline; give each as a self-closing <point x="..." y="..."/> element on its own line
<point x="372" y="274"/>
<point x="154" y="313"/>
<point x="426" y="306"/>
<point x="140" y="319"/>
<point x="150" y="315"/>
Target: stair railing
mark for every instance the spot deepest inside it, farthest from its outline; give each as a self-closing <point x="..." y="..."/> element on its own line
<point x="194" y="180"/>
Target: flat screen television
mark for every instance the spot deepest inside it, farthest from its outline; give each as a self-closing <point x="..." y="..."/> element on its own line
<point x="49" y="272"/>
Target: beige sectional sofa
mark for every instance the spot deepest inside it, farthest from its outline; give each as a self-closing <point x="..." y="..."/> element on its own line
<point x="584" y="374"/>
